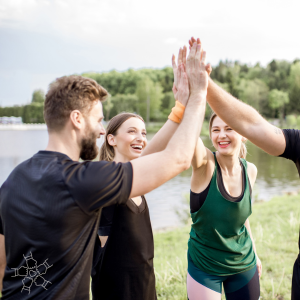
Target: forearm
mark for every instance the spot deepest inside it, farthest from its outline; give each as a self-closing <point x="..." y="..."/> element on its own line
<point x="247" y="224"/>
<point x="245" y="120"/>
<point x="231" y="110"/>
<point x="183" y="142"/>
<point x="161" y="138"/>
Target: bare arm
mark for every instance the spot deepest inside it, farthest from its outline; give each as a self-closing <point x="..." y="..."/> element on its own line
<point x="181" y="93"/>
<point x="258" y="262"/>
<point x="2" y="260"/>
<point x="153" y="170"/>
<point x="161" y="138"/>
<point x="245" y="120"/>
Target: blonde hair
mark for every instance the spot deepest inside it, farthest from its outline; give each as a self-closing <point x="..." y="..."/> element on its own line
<point x="243" y="149"/>
<point x="107" y="151"/>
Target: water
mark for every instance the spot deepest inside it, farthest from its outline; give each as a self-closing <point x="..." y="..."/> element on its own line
<point x="275" y="175"/>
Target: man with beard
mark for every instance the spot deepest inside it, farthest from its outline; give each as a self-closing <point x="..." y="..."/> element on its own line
<point x="50" y="205"/>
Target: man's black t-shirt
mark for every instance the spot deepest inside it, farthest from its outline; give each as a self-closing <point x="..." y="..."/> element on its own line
<point x="292" y="150"/>
<point x="50" y="208"/>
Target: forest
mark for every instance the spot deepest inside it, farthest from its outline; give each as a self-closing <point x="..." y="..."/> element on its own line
<point x="273" y="90"/>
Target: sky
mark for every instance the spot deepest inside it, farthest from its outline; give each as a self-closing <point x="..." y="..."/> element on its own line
<point x="41" y="40"/>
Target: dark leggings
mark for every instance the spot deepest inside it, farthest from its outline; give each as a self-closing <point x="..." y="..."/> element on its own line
<point x="250" y="291"/>
<point x="201" y="285"/>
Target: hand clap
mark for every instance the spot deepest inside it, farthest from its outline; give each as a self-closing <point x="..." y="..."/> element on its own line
<point x="196" y="70"/>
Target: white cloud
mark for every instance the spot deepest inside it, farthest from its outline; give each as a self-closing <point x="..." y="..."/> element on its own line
<point x="74" y="36"/>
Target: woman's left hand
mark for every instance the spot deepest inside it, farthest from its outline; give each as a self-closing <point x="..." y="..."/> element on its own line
<point x="259" y="266"/>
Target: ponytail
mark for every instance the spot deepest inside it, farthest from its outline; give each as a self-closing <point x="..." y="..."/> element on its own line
<point x="107" y="151"/>
<point x="243" y="151"/>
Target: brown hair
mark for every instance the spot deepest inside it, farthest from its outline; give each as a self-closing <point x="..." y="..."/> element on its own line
<point x="107" y="151"/>
<point x="243" y="149"/>
<point x="69" y="93"/>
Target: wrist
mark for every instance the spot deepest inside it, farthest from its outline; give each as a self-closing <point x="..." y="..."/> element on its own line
<point x="199" y="94"/>
<point x="177" y="112"/>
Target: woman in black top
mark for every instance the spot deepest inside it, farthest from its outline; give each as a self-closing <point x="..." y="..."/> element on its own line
<point x="123" y="269"/>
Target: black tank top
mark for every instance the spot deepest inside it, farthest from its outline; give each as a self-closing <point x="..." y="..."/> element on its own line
<point x="126" y="271"/>
<point x="198" y="199"/>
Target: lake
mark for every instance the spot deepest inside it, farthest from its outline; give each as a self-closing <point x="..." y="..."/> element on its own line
<point x="275" y="175"/>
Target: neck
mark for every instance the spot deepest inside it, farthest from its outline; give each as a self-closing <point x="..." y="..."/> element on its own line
<point x="119" y="158"/>
<point x="229" y="163"/>
<point x="64" y="142"/>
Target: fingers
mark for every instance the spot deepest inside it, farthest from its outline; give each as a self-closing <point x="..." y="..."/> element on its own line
<point x="203" y="61"/>
<point x="174" y="66"/>
<point x="179" y="62"/>
<point x="179" y="72"/>
<point x="198" y="51"/>
<point x="191" y="42"/>
<point x="192" y="51"/>
<point x="208" y="68"/>
<point x="184" y="51"/>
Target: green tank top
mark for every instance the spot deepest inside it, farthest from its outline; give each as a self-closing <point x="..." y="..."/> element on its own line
<point x="219" y="242"/>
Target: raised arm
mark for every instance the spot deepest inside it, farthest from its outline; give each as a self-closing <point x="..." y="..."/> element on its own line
<point x="181" y="94"/>
<point x="244" y="119"/>
<point x="153" y="170"/>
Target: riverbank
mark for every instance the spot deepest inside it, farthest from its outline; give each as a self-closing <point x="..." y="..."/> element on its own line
<point x="275" y="227"/>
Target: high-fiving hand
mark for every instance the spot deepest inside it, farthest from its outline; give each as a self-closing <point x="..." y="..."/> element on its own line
<point x="181" y="60"/>
<point x="196" y="70"/>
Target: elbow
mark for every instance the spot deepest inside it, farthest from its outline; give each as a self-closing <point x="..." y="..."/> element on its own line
<point x="183" y="164"/>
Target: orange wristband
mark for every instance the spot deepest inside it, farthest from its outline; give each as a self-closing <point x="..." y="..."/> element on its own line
<point x="177" y="112"/>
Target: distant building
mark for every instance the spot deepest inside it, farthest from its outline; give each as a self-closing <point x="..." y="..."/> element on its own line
<point x="11" y="120"/>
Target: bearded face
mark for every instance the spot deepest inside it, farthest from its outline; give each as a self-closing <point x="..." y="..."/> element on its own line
<point x="89" y="149"/>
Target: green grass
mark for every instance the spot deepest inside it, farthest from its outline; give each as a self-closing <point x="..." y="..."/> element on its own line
<point x="275" y="227"/>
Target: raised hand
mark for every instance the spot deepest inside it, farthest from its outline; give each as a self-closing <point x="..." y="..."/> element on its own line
<point x="181" y="60"/>
<point x="182" y="93"/>
<point x="191" y="42"/>
<point x="196" y="70"/>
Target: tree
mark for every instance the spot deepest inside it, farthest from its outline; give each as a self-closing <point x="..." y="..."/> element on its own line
<point x="122" y="103"/>
<point x="149" y="95"/>
<point x="294" y="90"/>
<point x="38" y="96"/>
<point x="277" y="100"/>
<point x="254" y="92"/>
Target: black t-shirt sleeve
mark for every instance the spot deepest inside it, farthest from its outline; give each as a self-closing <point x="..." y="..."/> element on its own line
<point x="106" y="220"/>
<point x="292" y="150"/>
<point x="94" y="185"/>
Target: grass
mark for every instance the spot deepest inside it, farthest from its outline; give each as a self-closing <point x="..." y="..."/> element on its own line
<point x="275" y="227"/>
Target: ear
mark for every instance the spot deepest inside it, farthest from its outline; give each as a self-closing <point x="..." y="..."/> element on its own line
<point x="111" y="140"/>
<point x="77" y="119"/>
<point x="244" y="140"/>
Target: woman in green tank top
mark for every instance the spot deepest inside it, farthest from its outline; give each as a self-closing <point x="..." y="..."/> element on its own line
<point x="221" y="250"/>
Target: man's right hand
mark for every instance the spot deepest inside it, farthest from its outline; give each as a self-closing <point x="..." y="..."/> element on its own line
<point x="196" y="70"/>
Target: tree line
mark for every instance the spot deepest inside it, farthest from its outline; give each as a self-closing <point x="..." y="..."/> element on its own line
<point x="273" y="90"/>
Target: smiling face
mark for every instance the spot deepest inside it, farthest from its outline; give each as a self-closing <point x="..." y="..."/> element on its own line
<point x="225" y="140"/>
<point x="130" y="140"/>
